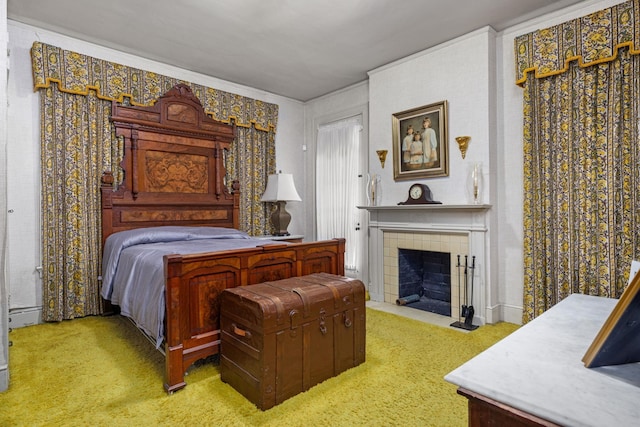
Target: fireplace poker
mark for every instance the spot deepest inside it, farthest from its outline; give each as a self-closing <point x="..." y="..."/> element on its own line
<point x="473" y="273"/>
<point x="459" y="288"/>
<point x="468" y="320"/>
<point x="465" y="307"/>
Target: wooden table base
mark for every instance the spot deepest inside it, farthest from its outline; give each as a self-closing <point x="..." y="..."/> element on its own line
<point x="485" y="412"/>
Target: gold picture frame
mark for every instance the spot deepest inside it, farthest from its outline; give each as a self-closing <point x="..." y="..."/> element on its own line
<point x="618" y="341"/>
<point x="411" y="129"/>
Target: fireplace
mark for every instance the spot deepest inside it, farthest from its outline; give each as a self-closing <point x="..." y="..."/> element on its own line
<point x="423" y="247"/>
<point x="450" y="229"/>
<point x="424" y="280"/>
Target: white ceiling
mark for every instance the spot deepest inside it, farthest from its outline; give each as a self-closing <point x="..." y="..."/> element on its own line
<point x="300" y="49"/>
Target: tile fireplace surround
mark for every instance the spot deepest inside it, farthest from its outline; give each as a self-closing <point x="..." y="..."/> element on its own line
<point x="456" y="229"/>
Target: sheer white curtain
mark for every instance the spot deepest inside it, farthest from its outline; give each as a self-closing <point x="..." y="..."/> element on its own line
<point x="337" y="184"/>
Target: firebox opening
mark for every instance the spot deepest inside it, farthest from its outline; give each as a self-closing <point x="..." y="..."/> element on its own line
<point x="425" y="280"/>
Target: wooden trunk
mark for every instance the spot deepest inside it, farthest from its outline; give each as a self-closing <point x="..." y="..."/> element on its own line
<point x="283" y="337"/>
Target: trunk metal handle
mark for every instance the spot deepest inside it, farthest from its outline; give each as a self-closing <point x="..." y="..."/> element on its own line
<point x="347" y="321"/>
<point x="240" y="332"/>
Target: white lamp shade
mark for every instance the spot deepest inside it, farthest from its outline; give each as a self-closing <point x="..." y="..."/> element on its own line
<point x="280" y="187"/>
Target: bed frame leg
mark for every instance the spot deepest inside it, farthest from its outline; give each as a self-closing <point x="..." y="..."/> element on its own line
<point x="174" y="374"/>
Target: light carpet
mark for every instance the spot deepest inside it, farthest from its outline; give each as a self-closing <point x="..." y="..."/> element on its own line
<point x="101" y="371"/>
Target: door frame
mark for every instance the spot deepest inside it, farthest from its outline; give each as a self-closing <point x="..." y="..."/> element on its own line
<point x="362" y="111"/>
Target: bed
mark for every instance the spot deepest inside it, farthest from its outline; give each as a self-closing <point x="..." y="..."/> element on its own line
<point x="177" y="210"/>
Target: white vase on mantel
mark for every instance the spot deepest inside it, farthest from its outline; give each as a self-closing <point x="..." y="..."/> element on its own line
<point x="373" y="189"/>
<point x="476" y="183"/>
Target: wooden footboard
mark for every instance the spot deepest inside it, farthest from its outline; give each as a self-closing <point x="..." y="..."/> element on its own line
<point x="194" y="282"/>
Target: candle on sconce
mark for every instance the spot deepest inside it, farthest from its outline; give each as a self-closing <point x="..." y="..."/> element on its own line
<point x="373" y="189"/>
<point x="476" y="182"/>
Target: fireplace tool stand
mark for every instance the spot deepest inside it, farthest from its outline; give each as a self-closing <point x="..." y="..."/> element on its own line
<point x="466" y="310"/>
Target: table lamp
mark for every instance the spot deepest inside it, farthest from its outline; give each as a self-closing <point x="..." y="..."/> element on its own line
<point x="280" y="189"/>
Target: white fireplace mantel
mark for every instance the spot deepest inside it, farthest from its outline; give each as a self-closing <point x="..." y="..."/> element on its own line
<point x="431" y="217"/>
<point x="470" y="221"/>
<point x="434" y="206"/>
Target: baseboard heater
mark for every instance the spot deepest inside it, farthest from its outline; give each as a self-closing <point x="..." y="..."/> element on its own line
<point x="21" y="317"/>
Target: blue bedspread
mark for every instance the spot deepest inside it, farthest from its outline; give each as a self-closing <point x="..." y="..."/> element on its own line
<point x="133" y="267"/>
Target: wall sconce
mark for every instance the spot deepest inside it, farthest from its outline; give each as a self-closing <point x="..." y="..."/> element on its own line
<point x="382" y="156"/>
<point x="463" y="144"/>
<point x="280" y="189"/>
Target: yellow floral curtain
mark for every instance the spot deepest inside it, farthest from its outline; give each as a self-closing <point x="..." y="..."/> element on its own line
<point x="78" y="145"/>
<point x="257" y="159"/>
<point x="77" y="73"/>
<point x="581" y="157"/>
<point x="75" y="133"/>
<point x="589" y="40"/>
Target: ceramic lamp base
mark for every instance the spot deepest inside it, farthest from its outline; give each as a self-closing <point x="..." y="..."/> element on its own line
<point x="280" y="219"/>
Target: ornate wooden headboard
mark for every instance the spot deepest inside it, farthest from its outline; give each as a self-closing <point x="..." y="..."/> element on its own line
<point x="173" y="167"/>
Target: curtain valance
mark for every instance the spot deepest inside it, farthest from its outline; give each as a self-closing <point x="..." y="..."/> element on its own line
<point x="590" y="40"/>
<point x="79" y="74"/>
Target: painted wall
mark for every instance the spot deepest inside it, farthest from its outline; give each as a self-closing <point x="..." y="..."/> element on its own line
<point x="23" y="149"/>
<point x="457" y="72"/>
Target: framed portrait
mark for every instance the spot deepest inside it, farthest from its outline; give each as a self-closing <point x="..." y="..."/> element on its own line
<point x="420" y="144"/>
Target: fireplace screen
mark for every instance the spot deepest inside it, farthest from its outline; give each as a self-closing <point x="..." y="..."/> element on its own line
<point x="425" y="280"/>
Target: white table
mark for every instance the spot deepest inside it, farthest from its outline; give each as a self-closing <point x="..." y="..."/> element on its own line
<point x="537" y="373"/>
